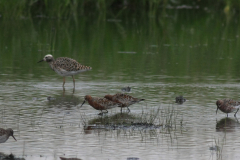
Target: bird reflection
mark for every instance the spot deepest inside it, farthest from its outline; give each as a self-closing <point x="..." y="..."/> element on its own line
<point x="119" y="121"/>
<point x="72" y="91"/>
<point x="227" y="125"/>
<point x="108" y="122"/>
<point x="62" y="158"/>
<point x="63" y="100"/>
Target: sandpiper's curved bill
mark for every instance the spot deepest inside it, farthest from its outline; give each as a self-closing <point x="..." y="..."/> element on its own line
<point x="82" y="103"/>
<point x="217" y="110"/>
<point x="14" y="137"/>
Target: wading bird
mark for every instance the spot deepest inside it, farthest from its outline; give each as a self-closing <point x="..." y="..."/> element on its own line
<point x="228" y="106"/>
<point x="124" y="99"/>
<point x="5" y="134"/>
<point x="100" y="103"/>
<point x="65" y="66"/>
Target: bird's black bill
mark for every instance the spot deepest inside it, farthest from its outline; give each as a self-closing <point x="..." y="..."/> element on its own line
<point x="14" y="138"/>
<point x="82" y="103"/>
<point x="216" y="110"/>
<point x="40" y="61"/>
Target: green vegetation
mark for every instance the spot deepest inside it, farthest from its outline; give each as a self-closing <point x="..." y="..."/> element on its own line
<point x="153" y="119"/>
<point x="75" y="8"/>
<point x="137" y="42"/>
<point x="9" y="157"/>
<point x="151" y="123"/>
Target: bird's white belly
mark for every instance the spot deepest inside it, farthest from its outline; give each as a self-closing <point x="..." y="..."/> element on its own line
<point x="64" y="73"/>
<point x="3" y="138"/>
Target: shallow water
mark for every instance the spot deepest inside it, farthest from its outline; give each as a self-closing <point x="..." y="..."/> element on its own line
<point x="157" y="65"/>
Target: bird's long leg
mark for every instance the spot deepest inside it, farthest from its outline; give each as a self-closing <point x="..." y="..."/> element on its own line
<point x="73" y="90"/>
<point x="73" y="81"/>
<point x="83" y="103"/>
<point x="63" y="91"/>
<point x="63" y="81"/>
<point x="101" y="113"/>
<point x="128" y="109"/>
<point x="227" y="114"/>
<point x="236" y="119"/>
<point x="236" y="112"/>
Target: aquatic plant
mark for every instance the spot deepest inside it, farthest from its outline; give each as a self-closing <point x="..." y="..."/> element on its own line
<point x="9" y="157"/>
<point x="149" y="120"/>
<point x="74" y="8"/>
<point x="218" y="148"/>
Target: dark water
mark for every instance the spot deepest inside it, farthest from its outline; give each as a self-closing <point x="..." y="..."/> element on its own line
<point x="192" y="53"/>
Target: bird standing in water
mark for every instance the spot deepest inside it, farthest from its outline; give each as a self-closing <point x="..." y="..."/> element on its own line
<point x="100" y="103"/>
<point x="5" y="134"/>
<point x="228" y="106"/>
<point x="65" y="66"/>
<point x="124" y="99"/>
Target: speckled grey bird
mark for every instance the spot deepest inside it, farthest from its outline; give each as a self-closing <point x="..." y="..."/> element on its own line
<point x="4" y="134"/>
<point x="65" y="66"/>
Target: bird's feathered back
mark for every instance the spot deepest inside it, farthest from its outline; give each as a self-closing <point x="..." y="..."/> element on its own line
<point x="101" y="103"/>
<point x="69" y="64"/>
<point x="227" y="105"/>
<point x="124" y="99"/>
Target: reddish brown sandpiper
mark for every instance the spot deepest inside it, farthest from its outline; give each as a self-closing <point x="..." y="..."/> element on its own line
<point x="228" y="106"/>
<point x="100" y="103"/>
<point x="124" y="99"/>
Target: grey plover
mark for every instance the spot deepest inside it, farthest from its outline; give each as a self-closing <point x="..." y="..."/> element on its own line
<point x="124" y="99"/>
<point x="5" y="133"/>
<point x="100" y="103"/>
<point x="228" y="106"/>
<point x="65" y="66"/>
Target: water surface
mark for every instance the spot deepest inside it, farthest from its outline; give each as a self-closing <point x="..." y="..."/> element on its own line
<point x="182" y="52"/>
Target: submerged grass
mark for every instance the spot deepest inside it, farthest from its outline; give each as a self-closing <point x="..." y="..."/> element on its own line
<point x="119" y="118"/>
<point x="154" y="120"/>
<point x="9" y="157"/>
<point x="218" y="148"/>
<point x="151" y="124"/>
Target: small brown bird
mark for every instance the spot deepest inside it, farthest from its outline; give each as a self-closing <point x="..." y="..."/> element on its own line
<point x="124" y="99"/>
<point x="228" y="106"/>
<point x="100" y="103"/>
<point x="65" y="66"/>
<point x="5" y="134"/>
